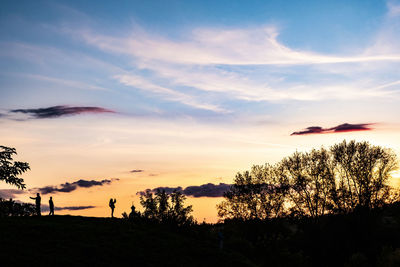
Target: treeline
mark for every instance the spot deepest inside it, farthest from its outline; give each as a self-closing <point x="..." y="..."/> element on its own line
<point x="347" y="176"/>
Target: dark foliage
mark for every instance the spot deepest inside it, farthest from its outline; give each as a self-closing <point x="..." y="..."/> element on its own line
<point x="12" y="208"/>
<point x="360" y="238"/>
<point x="9" y="169"/>
<point x="258" y="194"/>
<point x="165" y="208"/>
<point x="346" y="177"/>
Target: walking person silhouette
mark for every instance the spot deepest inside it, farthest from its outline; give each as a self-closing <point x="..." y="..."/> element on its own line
<point x="37" y="202"/>
<point x="112" y="206"/>
<point x="51" y="206"/>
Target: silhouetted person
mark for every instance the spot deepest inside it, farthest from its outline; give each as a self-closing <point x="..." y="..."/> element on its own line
<point x="37" y="201"/>
<point x="51" y="206"/>
<point x="112" y="206"/>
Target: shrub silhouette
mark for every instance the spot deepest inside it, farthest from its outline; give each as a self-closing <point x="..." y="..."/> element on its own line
<point x="12" y="208"/>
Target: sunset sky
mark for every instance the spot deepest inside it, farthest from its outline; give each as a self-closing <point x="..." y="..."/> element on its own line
<point x="108" y="98"/>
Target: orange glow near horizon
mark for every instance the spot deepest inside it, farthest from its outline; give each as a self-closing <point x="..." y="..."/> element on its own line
<point x="170" y="154"/>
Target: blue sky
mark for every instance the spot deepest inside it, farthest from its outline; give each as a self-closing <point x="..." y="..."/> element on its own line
<point x="191" y="91"/>
<point x="74" y="45"/>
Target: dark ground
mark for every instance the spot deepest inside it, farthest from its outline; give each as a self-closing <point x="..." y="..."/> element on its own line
<point x="358" y="239"/>
<point x="84" y="241"/>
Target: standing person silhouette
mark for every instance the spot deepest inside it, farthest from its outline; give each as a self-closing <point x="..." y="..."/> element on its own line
<point x="51" y="206"/>
<point x="37" y="201"/>
<point x="112" y="206"/>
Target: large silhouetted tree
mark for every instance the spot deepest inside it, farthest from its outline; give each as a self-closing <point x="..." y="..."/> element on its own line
<point x="310" y="178"/>
<point x="348" y="175"/>
<point x="10" y="169"/>
<point x="256" y="194"/>
<point x="362" y="172"/>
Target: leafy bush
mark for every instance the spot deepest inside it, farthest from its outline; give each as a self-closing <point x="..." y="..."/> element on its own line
<point x="12" y="208"/>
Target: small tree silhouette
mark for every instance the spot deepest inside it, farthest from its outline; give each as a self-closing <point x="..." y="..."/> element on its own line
<point x="165" y="207"/>
<point x="178" y="212"/>
<point x="149" y="204"/>
<point x="9" y="169"/>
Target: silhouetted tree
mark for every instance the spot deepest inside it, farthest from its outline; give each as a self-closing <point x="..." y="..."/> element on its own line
<point x="9" y="169"/>
<point x="362" y="171"/>
<point x="161" y="199"/>
<point x="348" y="175"/>
<point x="149" y="204"/>
<point x="257" y="194"/>
<point x="310" y="178"/>
<point x="178" y="212"/>
<point x="165" y="207"/>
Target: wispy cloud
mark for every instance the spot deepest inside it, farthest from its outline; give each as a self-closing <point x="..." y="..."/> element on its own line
<point x="64" y="82"/>
<point x="216" y="62"/>
<point x="222" y="70"/>
<point x="169" y="94"/>
<point x="59" y="111"/>
<point x="69" y="187"/>
<point x="205" y="190"/>
<point x="346" y="127"/>
<point x="257" y="46"/>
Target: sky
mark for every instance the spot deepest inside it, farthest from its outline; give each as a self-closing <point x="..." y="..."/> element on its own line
<point x="106" y="99"/>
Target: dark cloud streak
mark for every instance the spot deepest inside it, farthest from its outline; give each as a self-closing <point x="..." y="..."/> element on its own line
<point x="345" y="127"/>
<point x="59" y="111"/>
<point x="205" y="190"/>
<point x="134" y="171"/>
<point x="69" y="187"/>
